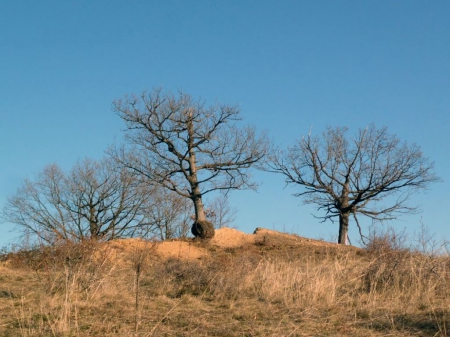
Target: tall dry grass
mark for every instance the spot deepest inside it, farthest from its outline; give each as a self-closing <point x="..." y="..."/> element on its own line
<point x="94" y="289"/>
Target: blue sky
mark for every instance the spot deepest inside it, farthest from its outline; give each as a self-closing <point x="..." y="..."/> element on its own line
<point x="290" y="65"/>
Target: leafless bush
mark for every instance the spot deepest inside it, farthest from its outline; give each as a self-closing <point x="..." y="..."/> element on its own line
<point x="186" y="277"/>
<point x="398" y="271"/>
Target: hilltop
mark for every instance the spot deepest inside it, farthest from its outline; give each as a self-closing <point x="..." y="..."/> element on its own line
<point x="262" y="284"/>
<point x="227" y="239"/>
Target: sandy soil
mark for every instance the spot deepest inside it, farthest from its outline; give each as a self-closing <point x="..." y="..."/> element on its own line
<point x="224" y="238"/>
<point x="230" y="237"/>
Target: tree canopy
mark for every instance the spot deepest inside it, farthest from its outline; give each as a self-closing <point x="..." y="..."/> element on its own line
<point x="372" y="174"/>
<point x="92" y="201"/>
<point x="186" y="146"/>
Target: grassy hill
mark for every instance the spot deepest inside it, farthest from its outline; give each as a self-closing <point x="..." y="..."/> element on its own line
<point x="262" y="284"/>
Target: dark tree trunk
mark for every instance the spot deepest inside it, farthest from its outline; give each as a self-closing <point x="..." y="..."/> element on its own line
<point x="198" y="206"/>
<point x="93" y="224"/>
<point x="343" y="228"/>
<point x="201" y="228"/>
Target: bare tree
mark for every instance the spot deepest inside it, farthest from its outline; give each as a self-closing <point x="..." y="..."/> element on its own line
<point x="166" y="214"/>
<point x="188" y="147"/>
<point x="94" y="200"/>
<point x="220" y="212"/>
<point x="351" y="176"/>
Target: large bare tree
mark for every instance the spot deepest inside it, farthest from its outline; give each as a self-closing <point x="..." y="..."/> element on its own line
<point x="94" y="200"/>
<point x="188" y="147"/>
<point x="372" y="174"/>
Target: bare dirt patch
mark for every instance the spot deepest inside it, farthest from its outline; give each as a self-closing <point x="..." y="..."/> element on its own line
<point x="230" y="237"/>
<point x="223" y="239"/>
<point x="165" y="249"/>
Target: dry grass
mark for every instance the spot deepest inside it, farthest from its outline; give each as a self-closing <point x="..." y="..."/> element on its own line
<point x="278" y="286"/>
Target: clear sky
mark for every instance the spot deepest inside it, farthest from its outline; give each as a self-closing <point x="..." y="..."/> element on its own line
<point x="290" y="65"/>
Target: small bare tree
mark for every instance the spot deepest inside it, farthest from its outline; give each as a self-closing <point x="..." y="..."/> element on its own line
<point x="166" y="214"/>
<point x="351" y="176"/>
<point x="94" y="200"/>
<point x="188" y="147"/>
<point x="220" y="212"/>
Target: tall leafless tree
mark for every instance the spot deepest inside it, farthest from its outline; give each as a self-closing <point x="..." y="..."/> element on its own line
<point x="94" y="200"/>
<point x="352" y="176"/>
<point x="188" y="147"/>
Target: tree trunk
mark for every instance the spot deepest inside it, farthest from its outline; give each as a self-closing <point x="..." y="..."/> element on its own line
<point x="344" y="214"/>
<point x="198" y="205"/>
<point x="196" y="194"/>
<point x="201" y="228"/>
<point x="93" y="225"/>
<point x="343" y="228"/>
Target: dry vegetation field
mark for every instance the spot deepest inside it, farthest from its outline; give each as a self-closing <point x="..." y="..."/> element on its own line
<point x="262" y="284"/>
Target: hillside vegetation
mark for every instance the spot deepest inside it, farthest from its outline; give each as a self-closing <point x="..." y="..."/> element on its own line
<point x="262" y="284"/>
